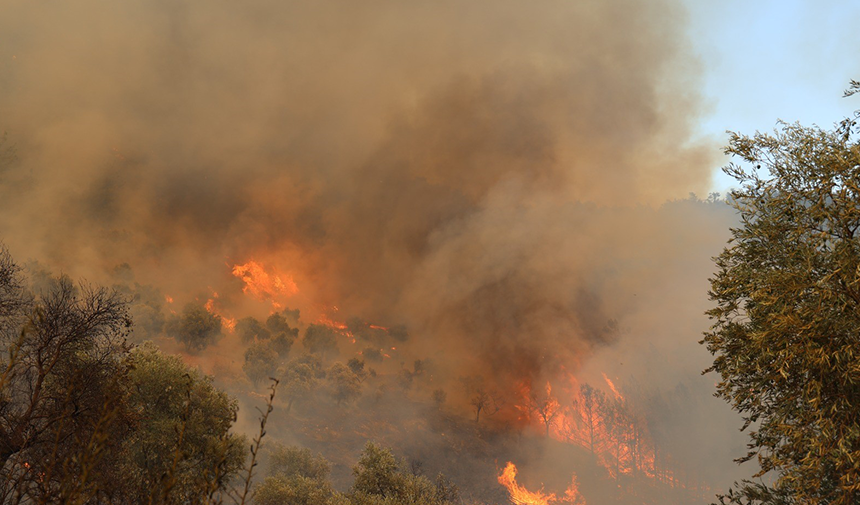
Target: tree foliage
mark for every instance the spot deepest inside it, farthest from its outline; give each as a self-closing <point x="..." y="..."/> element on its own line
<point x="320" y="339"/>
<point x="86" y="419"/>
<point x="787" y="311"/>
<point x="297" y="477"/>
<point x="261" y="362"/>
<point x="344" y="384"/>
<point x="251" y="330"/>
<point x="168" y="398"/>
<point x="62" y="387"/>
<point x="196" y="328"/>
<point x="299" y="378"/>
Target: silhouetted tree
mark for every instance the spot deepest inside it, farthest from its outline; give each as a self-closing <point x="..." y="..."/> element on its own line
<point x="251" y="330"/>
<point x="545" y="406"/>
<point x="344" y="384"/>
<point x="261" y="362"/>
<point x="320" y="339"/>
<point x="196" y="328"/>
<point x="298" y="379"/>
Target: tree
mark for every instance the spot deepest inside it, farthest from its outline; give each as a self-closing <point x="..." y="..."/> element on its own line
<point x="298" y="379"/>
<point x="545" y="406"/>
<point x="62" y="386"/>
<point x="592" y="402"/>
<point x="357" y="367"/>
<point x="283" y="336"/>
<point x="283" y="320"/>
<point x="299" y="478"/>
<point x="295" y="461"/>
<point x="261" y="362"/>
<point x="296" y="477"/>
<point x="786" y="312"/>
<point x="282" y="342"/>
<point x="251" y="330"/>
<point x="485" y="402"/>
<point x="381" y="480"/>
<point x="84" y="418"/>
<point x="320" y="339"/>
<point x="196" y="328"/>
<point x="181" y="431"/>
<point x="344" y="383"/>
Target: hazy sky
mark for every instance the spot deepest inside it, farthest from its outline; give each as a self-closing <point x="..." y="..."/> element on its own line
<point x="767" y="59"/>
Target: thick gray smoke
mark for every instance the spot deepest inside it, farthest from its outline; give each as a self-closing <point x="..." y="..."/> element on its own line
<point x="491" y="173"/>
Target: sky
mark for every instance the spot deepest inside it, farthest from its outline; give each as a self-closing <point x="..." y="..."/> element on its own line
<point x="768" y="60"/>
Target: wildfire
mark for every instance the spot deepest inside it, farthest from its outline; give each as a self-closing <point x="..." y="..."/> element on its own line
<point x="264" y="285"/>
<point x="522" y="496"/>
<point x="339" y="327"/>
<point x="211" y="306"/>
<point x="613" y="388"/>
<point x="603" y="423"/>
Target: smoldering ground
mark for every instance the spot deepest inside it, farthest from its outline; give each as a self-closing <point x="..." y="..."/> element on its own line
<point x="491" y="174"/>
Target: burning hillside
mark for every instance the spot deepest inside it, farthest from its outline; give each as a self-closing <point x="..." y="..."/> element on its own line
<point x="463" y="230"/>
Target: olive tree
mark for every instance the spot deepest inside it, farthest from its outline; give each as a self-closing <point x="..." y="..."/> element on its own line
<point x="786" y="313"/>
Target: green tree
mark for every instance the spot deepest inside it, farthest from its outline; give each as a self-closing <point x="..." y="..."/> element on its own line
<point x="283" y="320"/>
<point x="381" y="480"/>
<point x="299" y="378"/>
<point x="296" y="490"/>
<point x="261" y="362"/>
<point x="295" y="461"/>
<point x="62" y="387"/>
<point x="251" y="330"/>
<point x="320" y="339"/>
<point x="296" y="477"/>
<point x="282" y="342"/>
<point x="345" y="385"/>
<point x="787" y="310"/>
<point x="85" y="419"/>
<point x="182" y="430"/>
<point x="196" y="328"/>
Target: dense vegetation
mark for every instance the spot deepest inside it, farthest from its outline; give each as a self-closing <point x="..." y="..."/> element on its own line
<point x="296" y="477"/>
<point x="787" y="313"/>
<point x="87" y="418"/>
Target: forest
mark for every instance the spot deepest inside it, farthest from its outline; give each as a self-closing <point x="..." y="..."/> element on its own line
<point x="425" y="253"/>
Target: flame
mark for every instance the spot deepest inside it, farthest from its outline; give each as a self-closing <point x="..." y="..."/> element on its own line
<point x="613" y="388"/>
<point x="519" y="494"/>
<point x="265" y="285"/>
<point x="571" y="494"/>
<point x="522" y="496"/>
<point x="168" y="298"/>
<point x="211" y="306"/>
<point x="605" y="424"/>
<point x="339" y="327"/>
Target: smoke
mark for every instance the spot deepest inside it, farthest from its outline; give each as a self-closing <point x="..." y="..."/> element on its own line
<point x="493" y="174"/>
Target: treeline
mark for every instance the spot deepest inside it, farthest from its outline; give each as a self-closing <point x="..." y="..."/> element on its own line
<point x="297" y="477"/>
<point x="87" y="417"/>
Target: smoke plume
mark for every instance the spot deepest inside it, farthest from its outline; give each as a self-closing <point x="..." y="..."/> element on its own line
<point x="507" y="179"/>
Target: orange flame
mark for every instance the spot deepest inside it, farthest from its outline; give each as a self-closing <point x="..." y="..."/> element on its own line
<point x="607" y="426"/>
<point x="519" y="494"/>
<point x="211" y="306"/>
<point x="264" y="285"/>
<point x="613" y="388"/>
<point x="522" y="496"/>
<point x="341" y="328"/>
